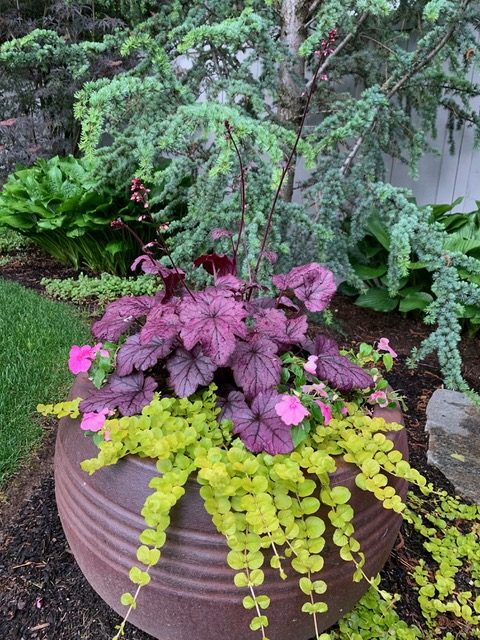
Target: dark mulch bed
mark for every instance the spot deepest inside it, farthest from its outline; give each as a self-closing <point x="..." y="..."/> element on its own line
<point x="43" y="595"/>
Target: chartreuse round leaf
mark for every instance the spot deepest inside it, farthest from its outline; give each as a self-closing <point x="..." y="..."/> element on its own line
<point x="340" y="495"/>
<point x="137" y="576"/>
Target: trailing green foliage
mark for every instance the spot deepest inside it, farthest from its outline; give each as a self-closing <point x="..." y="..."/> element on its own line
<point x="268" y="505"/>
<point x="258" y="501"/>
<point x="369" y="260"/>
<point x="103" y="289"/>
<point x="36" y="337"/>
<point x="55" y="203"/>
<point x="248" y="63"/>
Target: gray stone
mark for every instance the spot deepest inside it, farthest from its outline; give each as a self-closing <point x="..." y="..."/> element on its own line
<point x="453" y="424"/>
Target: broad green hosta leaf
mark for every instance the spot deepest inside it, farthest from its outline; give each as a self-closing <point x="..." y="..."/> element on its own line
<point x="377" y="299"/>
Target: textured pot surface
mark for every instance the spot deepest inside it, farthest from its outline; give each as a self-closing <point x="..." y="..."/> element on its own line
<point x="192" y="594"/>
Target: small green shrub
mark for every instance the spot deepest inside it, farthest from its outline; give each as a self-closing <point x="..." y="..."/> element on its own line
<point x="370" y="260"/>
<point x="103" y="289"/>
<point x="58" y="205"/>
<point x="12" y="241"/>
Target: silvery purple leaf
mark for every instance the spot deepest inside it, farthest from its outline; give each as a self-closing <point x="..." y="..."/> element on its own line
<point x="322" y="345"/>
<point x="229" y="283"/>
<point x="161" y="322"/>
<point x="256" y="304"/>
<point x="341" y="373"/>
<point x="284" y="301"/>
<point x="256" y="366"/>
<point x="271" y="323"/>
<point x="296" y="330"/>
<point x="120" y="315"/>
<point x="312" y="283"/>
<point x="189" y="370"/>
<point x="171" y="277"/>
<point x="134" y="355"/>
<point x="213" y="320"/>
<point x="128" y="394"/>
<point x="234" y="403"/>
<point x="260" y="428"/>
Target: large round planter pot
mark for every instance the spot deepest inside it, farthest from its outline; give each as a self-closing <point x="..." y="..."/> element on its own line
<point x="191" y="594"/>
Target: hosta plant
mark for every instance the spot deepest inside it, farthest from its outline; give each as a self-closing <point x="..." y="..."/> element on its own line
<point x="235" y="386"/>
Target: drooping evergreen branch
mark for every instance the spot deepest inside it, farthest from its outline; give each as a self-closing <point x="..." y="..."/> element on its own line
<point x="390" y="93"/>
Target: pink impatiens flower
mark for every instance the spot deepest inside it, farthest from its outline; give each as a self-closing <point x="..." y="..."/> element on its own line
<point x="80" y="358"/>
<point x="310" y="365"/>
<point x="384" y="345"/>
<point x="93" y="421"/>
<point x="319" y="389"/>
<point x="326" y="411"/>
<point x="291" y="410"/>
<point x="378" y="397"/>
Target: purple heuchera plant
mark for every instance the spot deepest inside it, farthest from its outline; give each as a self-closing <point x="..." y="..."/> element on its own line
<point x="223" y="334"/>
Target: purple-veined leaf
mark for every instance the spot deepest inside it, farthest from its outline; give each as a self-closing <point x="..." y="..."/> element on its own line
<point x="218" y="233"/>
<point x="189" y="370"/>
<point x="341" y="373"/>
<point x="212" y="320"/>
<point x="312" y="283"/>
<point x="296" y="330"/>
<point x="234" y="402"/>
<point x="120" y="315"/>
<point x="336" y="369"/>
<point x="134" y="355"/>
<point x="260" y="428"/>
<point x="161" y="322"/>
<point x="274" y="324"/>
<point x="128" y="394"/>
<point x="217" y="264"/>
<point x="284" y="301"/>
<point x="147" y="264"/>
<point x="229" y="283"/>
<point x="271" y="323"/>
<point x="256" y="366"/>
<point x="322" y="345"/>
<point x="171" y="277"/>
<point x="256" y="304"/>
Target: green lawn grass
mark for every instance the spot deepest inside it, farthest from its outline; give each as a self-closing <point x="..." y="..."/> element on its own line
<point x="35" y="337"/>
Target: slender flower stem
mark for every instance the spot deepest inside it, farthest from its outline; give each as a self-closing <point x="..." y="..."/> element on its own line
<point x="320" y="66"/>
<point x="228" y="128"/>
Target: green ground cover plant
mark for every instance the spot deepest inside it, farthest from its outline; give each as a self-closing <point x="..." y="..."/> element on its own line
<point x="101" y="289"/>
<point x="35" y="335"/>
<point x="12" y="241"/>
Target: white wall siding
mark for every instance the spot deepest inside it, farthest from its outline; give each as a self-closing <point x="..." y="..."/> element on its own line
<point x="445" y="177"/>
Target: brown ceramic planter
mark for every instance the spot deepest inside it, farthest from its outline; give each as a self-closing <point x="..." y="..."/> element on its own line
<point x="192" y="594"/>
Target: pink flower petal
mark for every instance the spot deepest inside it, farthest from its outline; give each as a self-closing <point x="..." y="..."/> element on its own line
<point x="291" y="410"/>
<point x="384" y="345"/>
<point x="378" y="397"/>
<point x="319" y="389"/>
<point x="93" y="421"/>
<point x="310" y="365"/>
<point x="80" y="358"/>
<point x="326" y="411"/>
